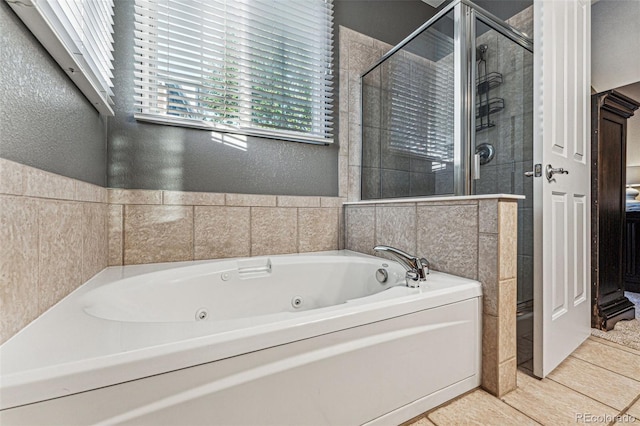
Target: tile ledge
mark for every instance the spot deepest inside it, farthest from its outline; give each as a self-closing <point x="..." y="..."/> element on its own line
<point x="438" y="198"/>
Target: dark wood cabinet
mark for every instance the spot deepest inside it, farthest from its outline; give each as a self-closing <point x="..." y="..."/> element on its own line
<point x="610" y="111"/>
<point x="632" y="252"/>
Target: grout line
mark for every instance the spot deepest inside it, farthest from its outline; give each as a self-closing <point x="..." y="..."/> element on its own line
<point x="250" y="230"/>
<point x="123" y="233"/>
<point x="581" y="393"/>
<point x="193" y="231"/>
<point x="614" y="345"/>
<point x="572" y="355"/>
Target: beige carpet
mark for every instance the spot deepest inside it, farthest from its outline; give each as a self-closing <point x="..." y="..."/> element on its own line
<point x="625" y="332"/>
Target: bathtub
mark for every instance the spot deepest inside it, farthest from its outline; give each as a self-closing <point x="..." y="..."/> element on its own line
<point x="292" y="339"/>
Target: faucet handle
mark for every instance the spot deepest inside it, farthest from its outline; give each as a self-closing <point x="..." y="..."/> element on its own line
<point x="426" y="266"/>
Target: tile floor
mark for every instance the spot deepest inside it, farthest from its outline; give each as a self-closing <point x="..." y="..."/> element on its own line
<point x="595" y="384"/>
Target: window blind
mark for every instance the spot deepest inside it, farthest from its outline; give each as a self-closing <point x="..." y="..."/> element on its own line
<point x="421" y="110"/>
<point x="79" y="36"/>
<point x="257" y="67"/>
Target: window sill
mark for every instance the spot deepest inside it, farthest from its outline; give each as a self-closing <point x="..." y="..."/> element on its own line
<point x="207" y="125"/>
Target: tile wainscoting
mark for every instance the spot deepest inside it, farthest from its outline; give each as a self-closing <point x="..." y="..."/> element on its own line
<point x="53" y="238"/>
<point x="474" y="237"/>
<point x="168" y="226"/>
<point x="57" y="232"/>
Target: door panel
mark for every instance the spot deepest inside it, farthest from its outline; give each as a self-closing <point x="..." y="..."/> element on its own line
<point x="561" y="141"/>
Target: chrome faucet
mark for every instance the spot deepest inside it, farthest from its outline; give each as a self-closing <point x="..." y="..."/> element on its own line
<point x="417" y="267"/>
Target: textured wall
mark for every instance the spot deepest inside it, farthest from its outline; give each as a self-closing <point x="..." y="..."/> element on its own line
<point x="45" y="121"/>
<point x="150" y="156"/>
<point x="147" y="226"/>
<point x="53" y="233"/>
<point x="615" y="51"/>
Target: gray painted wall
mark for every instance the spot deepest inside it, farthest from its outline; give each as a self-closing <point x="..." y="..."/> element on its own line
<point x="45" y="121"/>
<point x="386" y="20"/>
<point x="150" y="156"/>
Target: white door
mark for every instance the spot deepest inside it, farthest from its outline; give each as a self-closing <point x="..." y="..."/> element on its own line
<point x="562" y="206"/>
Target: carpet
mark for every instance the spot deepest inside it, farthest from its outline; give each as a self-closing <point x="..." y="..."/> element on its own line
<point x="625" y="333"/>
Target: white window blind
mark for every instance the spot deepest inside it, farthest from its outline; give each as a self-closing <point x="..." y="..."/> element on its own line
<point x="254" y="67"/>
<point x="79" y="36"/>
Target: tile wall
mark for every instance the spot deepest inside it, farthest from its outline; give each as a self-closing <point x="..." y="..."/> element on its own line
<point x="473" y="238"/>
<point x="57" y="232"/>
<point x="358" y="53"/>
<point x="168" y="226"/>
<point x="512" y="137"/>
<point x="53" y="238"/>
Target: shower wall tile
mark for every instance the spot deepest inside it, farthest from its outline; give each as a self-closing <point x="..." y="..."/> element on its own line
<point x="18" y="263"/>
<point x="362" y="54"/>
<point x="53" y="236"/>
<point x="90" y="193"/>
<point x="134" y="196"/>
<point x="41" y="184"/>
<point x="11" y="177"/>
<point x="332" y="201"/>
<point x="250" y="200"/>
<point x="293" y="201"/>
<point x="115" y="234"/>
<point x="394" y="183"/>
<point x="343" y="175"/>
<point x="59" y="250"/>
<point x="318" y="229"/>
<point x="507" y="319"/>
<point x="421" y="184"/>
<point x="508" y="241"/>
<point x="343" y="125"/>
<point x="193" y="198"/>
<point x="444" y="182"/>
<point x="273" y="231"/>
<point x="355" y="145"/>
<point x="448" y="237"/>
<point x="370" y="183"/>
<point x="488" y="216"/>
<point x="488" y="272"/>
<point x="95" y="251"/>
<point x="221" y="232"/>
<point x="396" y="227"/>
<point x="157" y="234"/>
<point x="354" y="183"/>
<point x="360" y="225"/>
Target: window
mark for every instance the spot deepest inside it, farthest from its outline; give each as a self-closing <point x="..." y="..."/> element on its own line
<point x="78" y="35"/>
<point x="253" y="67"/>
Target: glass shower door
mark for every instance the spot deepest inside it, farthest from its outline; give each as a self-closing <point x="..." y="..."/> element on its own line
<point x="504" y="144"/>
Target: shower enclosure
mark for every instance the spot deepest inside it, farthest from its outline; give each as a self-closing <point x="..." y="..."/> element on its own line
<point x="449" y="111"/>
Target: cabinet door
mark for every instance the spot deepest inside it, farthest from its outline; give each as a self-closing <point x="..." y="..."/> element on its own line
<point x="611" y="205"/>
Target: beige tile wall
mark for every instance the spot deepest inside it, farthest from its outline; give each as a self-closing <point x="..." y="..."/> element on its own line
<point x="473" y="238"/>
<point x="168" y="226"/>
<point x="53" y="237"/>
<point x="358" y="53"/>
<point x="57" y="232"/>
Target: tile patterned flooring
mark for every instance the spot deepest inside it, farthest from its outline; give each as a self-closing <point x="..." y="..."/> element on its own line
<point x="599" y="384"/>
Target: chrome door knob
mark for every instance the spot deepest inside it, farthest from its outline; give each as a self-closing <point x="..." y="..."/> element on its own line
<point x="550" y="171"/>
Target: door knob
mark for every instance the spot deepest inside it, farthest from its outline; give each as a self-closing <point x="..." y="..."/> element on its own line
<point x="550" y="171"/>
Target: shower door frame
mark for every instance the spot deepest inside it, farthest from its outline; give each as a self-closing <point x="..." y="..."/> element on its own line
<point x="464" y="40"/>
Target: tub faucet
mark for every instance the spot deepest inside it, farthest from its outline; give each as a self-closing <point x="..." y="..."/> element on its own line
<point x="417" y="267"/>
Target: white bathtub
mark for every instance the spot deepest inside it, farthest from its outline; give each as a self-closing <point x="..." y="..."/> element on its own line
<point x="295" y="339"/>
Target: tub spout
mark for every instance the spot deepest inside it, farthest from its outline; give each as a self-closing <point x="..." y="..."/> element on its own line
<point x="417" y="267"/>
